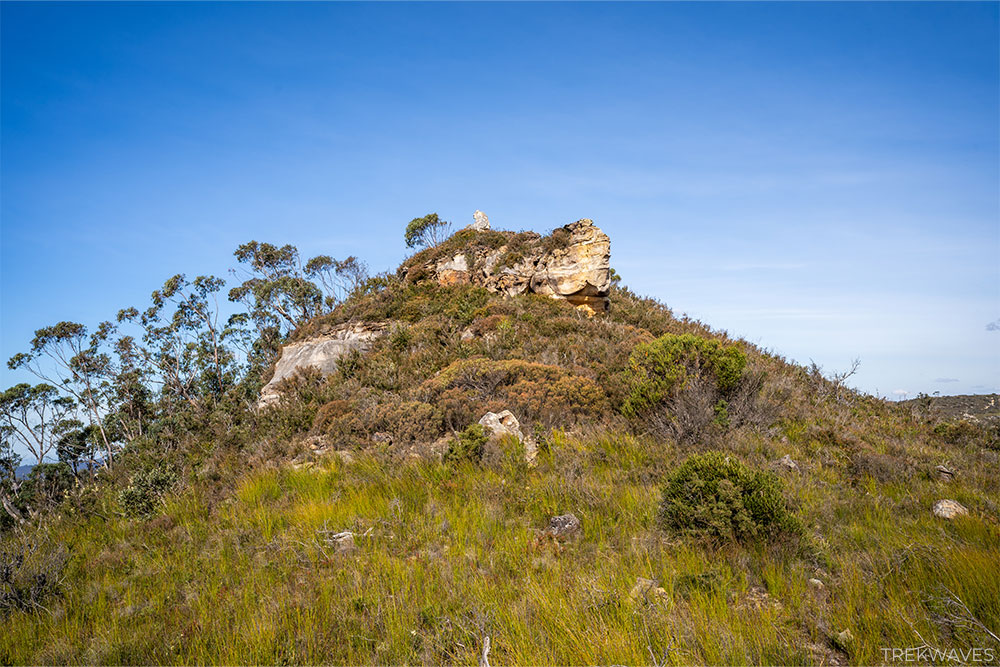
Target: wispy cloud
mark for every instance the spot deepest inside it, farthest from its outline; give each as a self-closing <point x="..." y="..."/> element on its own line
<point x="993" y="326"/>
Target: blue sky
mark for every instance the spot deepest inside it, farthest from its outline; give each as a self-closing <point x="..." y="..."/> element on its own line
<point x="821" y="179"/>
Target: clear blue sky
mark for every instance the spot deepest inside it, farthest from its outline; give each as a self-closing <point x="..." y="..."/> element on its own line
<point x="821" y="179"/>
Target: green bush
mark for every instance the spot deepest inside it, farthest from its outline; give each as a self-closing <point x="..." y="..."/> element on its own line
<point x="468" y="445"/>
<point x="716" y="496"/>
<point x="659" y="369"/>
<point x="140" y="497"/>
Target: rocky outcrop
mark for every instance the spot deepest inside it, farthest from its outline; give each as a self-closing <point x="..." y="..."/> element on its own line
<point x="572" y="264"/>
<point x="580" y="272"/>
<point x="321" y="352"/>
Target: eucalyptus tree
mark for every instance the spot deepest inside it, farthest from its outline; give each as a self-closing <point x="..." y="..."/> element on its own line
<point x="276" y="290"/>
<point x="184" y="346"/>
<point x="66" y="356"/>
<point x="34" y="416"/>
<point x="281" y="292"/>
<point x="338" y="278"/>
<point x="426" y="232"/>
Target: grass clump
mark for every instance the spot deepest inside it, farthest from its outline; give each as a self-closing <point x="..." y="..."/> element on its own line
<point x="719" y="497"/>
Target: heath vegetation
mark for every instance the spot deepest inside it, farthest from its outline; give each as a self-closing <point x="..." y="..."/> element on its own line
<point x="735" y="507"/>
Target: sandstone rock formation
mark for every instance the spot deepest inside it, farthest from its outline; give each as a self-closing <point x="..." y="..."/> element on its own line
<point x="321" y="352"/>
<point x="580" y="272"/>
<point x="574" y="265"/>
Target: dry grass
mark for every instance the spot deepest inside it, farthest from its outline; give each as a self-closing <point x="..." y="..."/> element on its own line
<point x="449" y="554"/>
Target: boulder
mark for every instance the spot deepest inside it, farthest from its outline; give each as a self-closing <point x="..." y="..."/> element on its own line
<point x="342" y="542"/>
<point x="844" y="640"/>
<point x="944" y="474"/>
<point x="500" y="424"/>
<point x="320" y="352"/>
<point x="580" y="272"/>
<point x="480" y="222"/>
<point x="948" y="509"/>
<point x="787" y="463"/>
<point x="564" y="527"/>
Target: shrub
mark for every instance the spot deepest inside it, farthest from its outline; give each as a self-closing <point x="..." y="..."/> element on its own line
<point x="30" y="572"/>
<point x="880" y="467"/>
<point x="967" y="432"/>
<point x="716" y="496"/>
<point x="140" y="497"/>
<point x="408" y="421"/>
<point x="339" y="421"/>
<point x="468" y="445"/>
<point x="535" y="392"/>
<point x="661" y="368"/>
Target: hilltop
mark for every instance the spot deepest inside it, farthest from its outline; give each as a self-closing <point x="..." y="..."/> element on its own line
<point x="499" y="454"/>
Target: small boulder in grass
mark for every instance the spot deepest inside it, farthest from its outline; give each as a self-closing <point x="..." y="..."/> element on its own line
<point x="844" y="640"/>
<point x="648" y="590"/>
<point x="944" y="474"/>
<point x="816" y="584"/>
<point x="948" y="509"/>
<point x="343" y="542"/>
<point x="564" y="527"/>
<point x="500" y="424"/>
<point x="787" y="463"/>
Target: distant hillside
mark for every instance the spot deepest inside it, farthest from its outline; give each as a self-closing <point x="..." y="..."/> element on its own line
<point x="977" y="406"/>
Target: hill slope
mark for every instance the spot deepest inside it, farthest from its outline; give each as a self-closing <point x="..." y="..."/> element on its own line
<point x="363" y="519"/>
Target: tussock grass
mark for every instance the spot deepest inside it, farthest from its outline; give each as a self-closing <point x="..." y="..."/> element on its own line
<point x="447" y="554"/>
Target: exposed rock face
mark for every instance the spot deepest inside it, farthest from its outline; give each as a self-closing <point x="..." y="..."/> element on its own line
<point x="580" y="272"/>
<point x="321" y="352"/>
<point x="454" y="271"/>
<point x="577" y="268"/>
